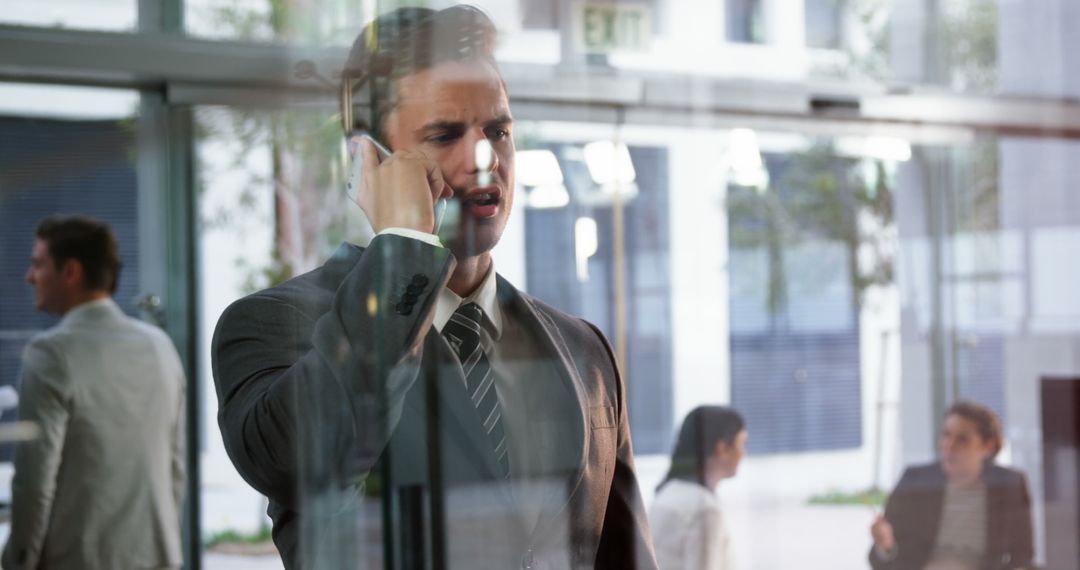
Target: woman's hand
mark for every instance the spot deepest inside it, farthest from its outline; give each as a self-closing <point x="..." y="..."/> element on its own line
<point x="882" y="532"/>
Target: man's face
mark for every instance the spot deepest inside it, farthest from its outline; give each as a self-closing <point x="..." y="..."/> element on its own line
<point x="46" y="280"/>
<point x="443" y="112"/>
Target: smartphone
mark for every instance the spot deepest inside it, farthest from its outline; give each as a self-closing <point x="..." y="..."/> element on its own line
<point x="356" y="169"/>
<point x="356" y="166"/>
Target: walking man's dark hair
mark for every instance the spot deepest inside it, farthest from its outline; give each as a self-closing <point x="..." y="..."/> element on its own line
<point x="88" y="241"/>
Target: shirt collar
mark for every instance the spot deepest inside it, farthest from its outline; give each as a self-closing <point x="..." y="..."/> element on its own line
<point x="105" y="306"/>
<point x="484" y="295"/>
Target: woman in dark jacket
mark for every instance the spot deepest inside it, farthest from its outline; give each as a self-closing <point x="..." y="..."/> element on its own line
<point x="962" y="512"/>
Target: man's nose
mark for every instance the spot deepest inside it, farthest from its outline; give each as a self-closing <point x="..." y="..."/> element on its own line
<point x="472" y="143"/>
<point x="29" y="277"/>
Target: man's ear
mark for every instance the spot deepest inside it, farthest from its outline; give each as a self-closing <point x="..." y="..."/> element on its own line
<point x="72" y="274"/>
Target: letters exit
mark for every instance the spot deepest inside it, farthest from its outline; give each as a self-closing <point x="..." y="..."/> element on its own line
<point x="608" y="27"/>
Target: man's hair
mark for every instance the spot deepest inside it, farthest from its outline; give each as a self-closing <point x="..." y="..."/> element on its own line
<point x="986" y="422"/>
<point x="406" y="41"/>
<point x="88" y="241"/>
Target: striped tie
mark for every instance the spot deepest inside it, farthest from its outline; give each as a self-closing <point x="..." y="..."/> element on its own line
<point x="463" y="333"/>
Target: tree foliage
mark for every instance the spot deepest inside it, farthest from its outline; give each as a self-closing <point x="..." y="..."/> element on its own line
<point x="821" y="196"/>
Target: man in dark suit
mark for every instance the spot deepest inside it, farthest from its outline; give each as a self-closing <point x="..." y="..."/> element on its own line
<point x="406" y="391"/>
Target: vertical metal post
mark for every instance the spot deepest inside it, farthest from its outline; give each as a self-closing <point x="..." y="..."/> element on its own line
<point x="167" y="261"/>
<point x="436" y="491"/>
<point x="618" y="222"/>
<point x="570" y="57"/>
<point x="167" y="254"/>
<point x="936" y="188"/>
<point x="161" y="16"/>
<point x="182" y="309"/>
<point x="881" y="406"/>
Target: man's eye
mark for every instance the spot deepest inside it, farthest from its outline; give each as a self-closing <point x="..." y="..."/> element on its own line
<point x="498" y="133"/>
<point x="442" y="138"/>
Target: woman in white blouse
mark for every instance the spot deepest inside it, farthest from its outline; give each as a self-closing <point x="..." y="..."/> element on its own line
<point x="687" y="523"/>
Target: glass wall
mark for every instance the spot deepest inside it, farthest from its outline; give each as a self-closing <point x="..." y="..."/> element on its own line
<point x="706" y="185"/>
<point x="65" y="149"/>
<point x="112" y="15"/>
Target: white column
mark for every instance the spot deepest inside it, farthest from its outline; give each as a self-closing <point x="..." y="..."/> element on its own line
<point x="699" y="281"/>
<point x="785" y="23"/>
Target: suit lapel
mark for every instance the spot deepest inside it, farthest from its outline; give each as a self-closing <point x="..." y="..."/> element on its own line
<point x="934" y="495"/>
<point x="456" y="400"/>
<point x="995" y="515"/>
<point x="458" y="421"/>
<point x="461" y="423"/>
<point x="551" y="345"/>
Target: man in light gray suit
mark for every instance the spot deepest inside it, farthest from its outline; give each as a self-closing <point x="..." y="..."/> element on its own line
<point x="101" y="485"/>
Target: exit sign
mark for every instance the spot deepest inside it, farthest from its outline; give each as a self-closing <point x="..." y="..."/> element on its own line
<point x="604" y="28"/>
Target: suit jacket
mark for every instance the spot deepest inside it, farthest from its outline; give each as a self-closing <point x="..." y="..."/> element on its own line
<point x="336" y="382"/>
<point x="102" y="484"/>
<point x="915" y="506"/>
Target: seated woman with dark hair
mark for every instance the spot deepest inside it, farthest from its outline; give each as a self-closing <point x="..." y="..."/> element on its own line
<point x="962" y="512"/>
<point x="687" y="523"/>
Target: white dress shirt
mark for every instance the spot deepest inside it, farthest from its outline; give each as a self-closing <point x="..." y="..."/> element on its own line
<point x="688" y="528"/>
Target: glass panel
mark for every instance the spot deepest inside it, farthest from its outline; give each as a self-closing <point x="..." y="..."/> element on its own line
<point x="321" y="22"/>
<point x="111" y="15"/>
<point x="62" y="150"/>
<point x="839" y="284"/>
<point x="744" y="22"/>
<point x="271" y="207"/>
<point x="967" y="46"/>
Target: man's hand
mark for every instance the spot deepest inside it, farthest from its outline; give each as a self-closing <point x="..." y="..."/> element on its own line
<point x="400" y="191"/>
<point x="882" y="532"/>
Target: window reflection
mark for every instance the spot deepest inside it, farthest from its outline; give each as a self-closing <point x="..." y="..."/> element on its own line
<point x="112" y="15"/>
<point x="62" y="149"/>
<point x="839" y="283"/>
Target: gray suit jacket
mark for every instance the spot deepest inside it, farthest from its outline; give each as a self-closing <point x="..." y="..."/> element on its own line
<point x="332" y="385"/>
<point x="101" y="486"/>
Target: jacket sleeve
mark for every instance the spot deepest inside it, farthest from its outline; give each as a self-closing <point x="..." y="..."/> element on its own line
<point x="1021" y="547"/>
<point x="625" y="541"/>
<point x="896" y="513"/>
<point x="179" y="442"/>
<point x="309" y="397"/>
<point x="45" y="400"/>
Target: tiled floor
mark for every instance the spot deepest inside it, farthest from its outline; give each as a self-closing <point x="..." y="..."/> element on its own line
<point x="765" y="537"/>
<point x="232" y="562"/>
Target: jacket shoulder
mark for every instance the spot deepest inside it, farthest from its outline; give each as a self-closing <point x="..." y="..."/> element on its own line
<point x="308" y="294"/>
<point x="925" y="471"/>
<point x="145" y="328"/>
<point x="44" y="346"/>
<point x="1005" y="477"/>
<point x="572" y="327"/>
<point x="923" y="478"/>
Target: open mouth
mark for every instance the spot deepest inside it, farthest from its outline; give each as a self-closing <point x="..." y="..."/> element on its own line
<point x="482" y="199"/>
<point x="480" y="205"/>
